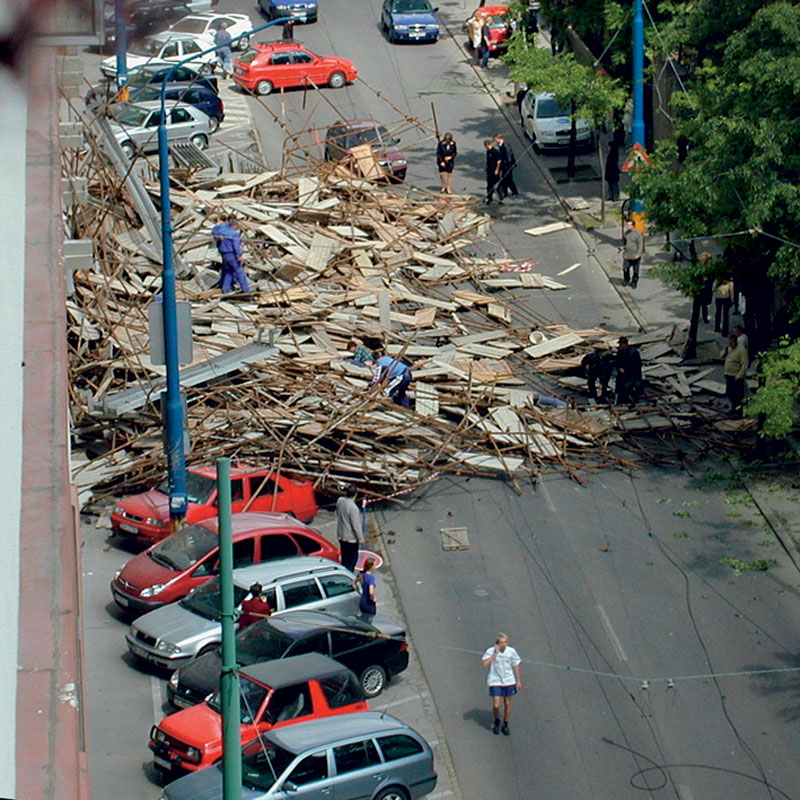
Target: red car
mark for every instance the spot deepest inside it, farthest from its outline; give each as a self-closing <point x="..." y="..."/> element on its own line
<point x="266" y="67"/>
<point x="146" y="516"/>
<point x="170" y="569"/>
<point x="272" y="694"/>
<point x="499" y="28"/>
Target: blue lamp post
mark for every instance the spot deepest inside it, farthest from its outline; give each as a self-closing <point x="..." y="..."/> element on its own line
<point x="637" y="128"/>
<point x="176" y="457"/>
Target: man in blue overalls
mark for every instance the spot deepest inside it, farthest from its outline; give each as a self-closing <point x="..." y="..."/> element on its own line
<point x="229" y="243"/>
<point x="395" y="376"/>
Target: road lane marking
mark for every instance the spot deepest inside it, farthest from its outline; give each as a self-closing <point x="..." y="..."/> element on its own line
<point x="548" y="500"/>
<point x="611" y="633"/>
<point x="158" y="699"/>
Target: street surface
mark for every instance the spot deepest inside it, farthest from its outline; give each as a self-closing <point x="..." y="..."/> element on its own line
<point x="642" y="651"/>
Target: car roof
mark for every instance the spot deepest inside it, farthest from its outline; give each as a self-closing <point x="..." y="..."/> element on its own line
<point x="298" y="623"/>
<point x="293" y="45"/>
<point x="322" y="732"/>
<point x="356" y="124"/>
<point x="295" y="669"/>
<point x="281" y="568"/>
<point x="170" y="36"/>
<point x="255" y="520"/>
<point x="149" y="105"/>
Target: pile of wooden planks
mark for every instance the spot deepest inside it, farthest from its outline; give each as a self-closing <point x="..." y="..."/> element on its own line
<point x="335" y="261"/>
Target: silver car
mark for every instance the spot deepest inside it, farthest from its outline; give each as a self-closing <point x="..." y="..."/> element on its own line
<point x="171" y="635"/>
<point x="136" y="126"/>
<point x="364" y="756"/>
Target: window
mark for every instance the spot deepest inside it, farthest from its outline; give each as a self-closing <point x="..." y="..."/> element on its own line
<point x="341" y="689"/>
<point x="354" y="756"/>
<point x="316" y="643"/>
<point x="262" y="487"/>
<point x="301" y="58"/>
<point x="277" y="545"/>
<point x="398" y="746"/>
<point x="180" y="115"/>
<point x="243" y="552"/>
<point x="335" y="585"/>
<point x="289" y="703"/>
<point x="170" y="51"/>
<point x="154" y="120"/>
<point x="306" y="544"/>
<point x="344" y="642"/>
<point x="191" y="47"/>
<point x="300" y="593"/>
<point x="281" y="59"/>
<point x="312" y="768"/>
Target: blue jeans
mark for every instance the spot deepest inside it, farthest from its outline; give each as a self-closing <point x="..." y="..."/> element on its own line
<point x="232" y="271"/>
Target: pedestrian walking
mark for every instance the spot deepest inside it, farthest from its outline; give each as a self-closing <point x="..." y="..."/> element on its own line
<point x="364" y="584"/>
<point x="349" y="528"/>
<point x="287" y="31"/>
<point x="612" y="172"/>
<point x="446" y="152"/>
<point x="736" y="364"/>
<point x="504" y="679"/>
<point x="222" y="39"/>
<point x="229" y="243"/>
<point x="254" y="607"/>
<point x="494" y="166"/>
<point x="395" y="376"/>
<point x="629" y="372"/>
<point x="598" y="368"/>
<point x="723" y="300"/>
<point x="486" y="38"/>
<point x="509" y="165"/>
<point x="632" y="249"/>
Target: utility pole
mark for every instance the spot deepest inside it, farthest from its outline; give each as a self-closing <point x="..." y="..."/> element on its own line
<point x="637" y="131"/>
<point x="229" y="678"/>
<point x="121" y="43"/>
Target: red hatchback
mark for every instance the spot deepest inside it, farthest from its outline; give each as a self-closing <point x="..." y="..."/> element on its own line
<point x="146" y="516"/>
<point x="170" y="569"/>
<point x="281" y="65"/>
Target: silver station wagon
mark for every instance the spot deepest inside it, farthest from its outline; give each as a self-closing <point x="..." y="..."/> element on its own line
<point x="171" y="635"/>
<point x="135" y="127"/>
<point x="363" y="756"/>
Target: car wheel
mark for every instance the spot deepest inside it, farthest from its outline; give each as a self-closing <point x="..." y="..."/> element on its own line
<point x="213" y="124"/>
<point x="200" y="141"/>
<point x="384" y="26"/>
<point x="373" y="680"/>
<point x="128" y="149"/>
<point x="337" y="80"/>
<point x="264" y="87"/>
<point x="392" y="793"/>
<point x="244" y="43"/>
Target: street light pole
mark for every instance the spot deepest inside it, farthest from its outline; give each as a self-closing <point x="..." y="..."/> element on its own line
<point x="637" y="129"/>
<point x="121" y="44"/>
<point x="173" y="407"/>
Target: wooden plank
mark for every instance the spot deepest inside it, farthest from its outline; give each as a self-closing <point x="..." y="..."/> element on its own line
<point x="426" y="399"/>
<point x="553" y="345"/>
<point x="426" y="317"/>
<point x="384" y="310"/>
<point x="366" y="162"/>
<point x="499" y="311"/>
<point x="553" y="227"/>
<point x="320" y="252"/>
<point x="454" y="538"/>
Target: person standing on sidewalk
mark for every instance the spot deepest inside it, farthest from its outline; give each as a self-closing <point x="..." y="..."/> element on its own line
<point x="736" y="364"/>
<point x="723" y="300"/>
<point x="504" y="679"/>
<point x="486" y="37"/>
<point x="509" y="165"/>
<point x="364" y="584"/>
<point x="494" y="166"/>
<point x="446" y="153"/>
<point x="632" y="249"/>
<point x="349" y="529"/>
<point x="222" y="39"/>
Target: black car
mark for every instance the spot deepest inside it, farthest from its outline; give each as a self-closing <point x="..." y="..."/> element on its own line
<point x="144" y="17"/>
<point x="149" y="76"/>
<point x="374" y="652"/>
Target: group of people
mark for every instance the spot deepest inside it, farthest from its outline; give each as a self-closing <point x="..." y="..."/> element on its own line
<point x="599" y="367"/>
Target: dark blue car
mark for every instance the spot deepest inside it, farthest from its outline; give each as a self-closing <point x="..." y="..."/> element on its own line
<point x="298" y="10"/>
<point x="198" y="96"/>
<point x="409" y="21"/>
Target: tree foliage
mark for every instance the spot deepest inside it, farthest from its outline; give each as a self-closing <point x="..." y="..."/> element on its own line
<point x="777" y="396"/>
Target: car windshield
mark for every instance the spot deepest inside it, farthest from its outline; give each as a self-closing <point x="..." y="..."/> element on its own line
<point x="251" y="696"/>
<point x="248" y="56"/>
<point x="263" y="763"/>
<point x="140" y="77"/>
<point x="256" y="644"/>
<point x="206" y="600"/>
<point x="366" y="136"/>
<point x="548" y="108"/>
<point x="148" y="48"/>
<point x="198" y="487"/>
<point x="133" y="117"/>
<point x="189" y="25"/>
<point x="184" y="548"/>
<point x="412" y="6"/>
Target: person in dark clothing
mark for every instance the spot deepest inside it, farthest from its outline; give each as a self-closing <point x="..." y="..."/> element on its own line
<point x="486" y="37"/>
<point x="707" y="292"/>
<point x="494" y="169"/>
<point x="394" y="376"/>
<point x="723" y="299"/>
<point x="446" y="153"/>
<point x="598" y="368"/>
<point x="509" y="165"/>
<point x="287" y="31"/>
<point x="612" y="172"/>
<point x="629" y="372"/>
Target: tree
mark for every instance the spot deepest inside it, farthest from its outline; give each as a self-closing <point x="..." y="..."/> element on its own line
<point x="777" y="396"/>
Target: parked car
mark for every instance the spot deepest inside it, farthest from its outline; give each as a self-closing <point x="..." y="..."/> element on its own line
<point x="144" y="17"/>
<point x="376" y="652"/>
<point x="272" y="695"/>
<point x="301" y="11"/>
<point x="206" y="25"/>
<point x="499" y="28"/>
<point x="146" y="516"/>
<point x="174" y="566"/>
<point x="344" y="135"/>
<point x="149" y="528"/>
<point x="283" y="65"/>
<point x="548" y="124"/>
<point x="369" y="755"/>
<point x="169" y="636"/>
<point x="409" y="21"/>
<point x="136" y="127"/>
<point x="164" y="47"/>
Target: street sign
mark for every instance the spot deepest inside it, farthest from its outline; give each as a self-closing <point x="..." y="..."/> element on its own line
<point x="155" y="317"/>
<point x="637" y="159"/>
<point x="363" y="555"/>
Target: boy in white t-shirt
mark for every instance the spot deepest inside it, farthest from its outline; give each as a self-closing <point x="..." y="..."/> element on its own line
<point x="504" y="679"/>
